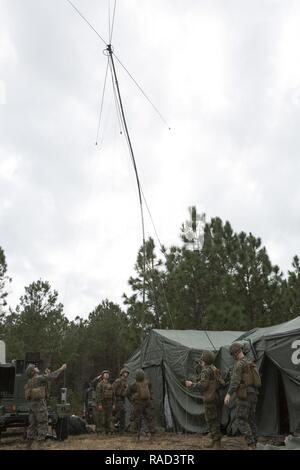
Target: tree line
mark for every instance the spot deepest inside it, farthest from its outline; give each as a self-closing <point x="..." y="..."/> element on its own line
<point x="231" y="284"/>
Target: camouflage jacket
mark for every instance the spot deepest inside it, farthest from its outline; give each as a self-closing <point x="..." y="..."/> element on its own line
<point x="104" y="393"/>
<point x="120" y="388"/>
<point x="43" y="382"/>
<point x="238" y="377"/>
<point x="208" y="384"/>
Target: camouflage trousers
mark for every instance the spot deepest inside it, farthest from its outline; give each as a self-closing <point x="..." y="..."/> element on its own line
<point x="142" y="409"/>
<point x="246" y="417"/>
<point x="212" y="414"/>
<point x="38" y="420"/>
<point x="120" y="414"/>
<point x="103" y="418"/>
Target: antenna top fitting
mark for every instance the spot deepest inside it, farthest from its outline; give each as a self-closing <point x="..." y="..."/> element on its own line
<point x="108" y="50"/>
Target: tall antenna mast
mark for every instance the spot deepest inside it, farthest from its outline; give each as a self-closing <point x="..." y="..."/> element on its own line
<point x="193" y="230"/>
<point x="124" y="123"/>
<point x="109" y="52"/>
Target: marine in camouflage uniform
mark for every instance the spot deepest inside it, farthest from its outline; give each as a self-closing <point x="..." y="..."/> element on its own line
<point x="140" y="394"/>
<point x="104" y="404"/>
<point x="36" y="391"/>
<point x="92" y="397"/>
<point x="120" y="386"/>
<point x="209" y="384"/>
<point x="246" y="396"/>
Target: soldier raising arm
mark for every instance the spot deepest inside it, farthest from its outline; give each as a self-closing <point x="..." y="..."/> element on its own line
<point x="36" y="392"/>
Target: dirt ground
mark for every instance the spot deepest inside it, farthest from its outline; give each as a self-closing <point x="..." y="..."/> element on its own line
<point x="161" y="441"/>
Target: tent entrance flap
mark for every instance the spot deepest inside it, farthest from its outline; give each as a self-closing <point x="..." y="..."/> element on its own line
<point x="284" y="422"/>
<point x="272" y="409"/>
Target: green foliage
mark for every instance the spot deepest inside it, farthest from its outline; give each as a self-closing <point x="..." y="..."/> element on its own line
<point x="147" y="307"/>
<point x="4" y="280"/>
<point x="108" y="335"/>
<point x="37" y="324"/>
<point x="230" y="284"/>
<point x="293" y="288"/>
<point x="242" y="278"/>
<point x="103" y="341"/>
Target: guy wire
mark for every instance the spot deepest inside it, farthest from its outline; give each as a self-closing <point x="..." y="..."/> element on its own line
<point x="102" y="101"/>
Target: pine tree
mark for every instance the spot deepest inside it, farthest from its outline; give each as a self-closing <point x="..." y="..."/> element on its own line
<point x="37" y="325"/>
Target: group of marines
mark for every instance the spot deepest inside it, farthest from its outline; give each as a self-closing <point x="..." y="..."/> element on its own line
<point x="241" y="395"/>
<point x="109" y="407"/>
<point x="109" y="410"/>
<point x="243" y="392"/>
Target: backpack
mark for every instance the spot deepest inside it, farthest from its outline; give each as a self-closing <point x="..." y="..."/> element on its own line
<point x="255" y="376"/>
<point x="215" y="383"/>
<point x="33" y="392"/>
<point x="218" y="378"/>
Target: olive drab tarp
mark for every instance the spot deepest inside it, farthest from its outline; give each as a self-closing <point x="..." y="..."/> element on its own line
<point x="169" y="357"/>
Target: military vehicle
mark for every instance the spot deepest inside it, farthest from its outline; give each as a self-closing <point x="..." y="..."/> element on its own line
<point x="14" y="409"/>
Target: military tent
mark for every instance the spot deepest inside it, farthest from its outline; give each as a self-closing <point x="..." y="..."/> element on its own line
<point x="169" y="357"/>
<point x="277" y="351"/>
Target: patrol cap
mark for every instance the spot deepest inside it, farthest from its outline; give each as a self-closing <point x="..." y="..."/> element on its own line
<point x="234" y="348"/>
<point x="29" y="370"/>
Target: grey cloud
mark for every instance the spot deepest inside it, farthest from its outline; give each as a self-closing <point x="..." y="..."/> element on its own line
<point x="69" y="211"/>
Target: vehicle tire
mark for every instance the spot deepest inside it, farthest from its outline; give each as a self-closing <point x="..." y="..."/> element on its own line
<point x="62" y="428"/>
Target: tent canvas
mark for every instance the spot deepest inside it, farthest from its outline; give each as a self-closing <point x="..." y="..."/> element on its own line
<point x="169" y="357"/>
<point x="278" y="351"/>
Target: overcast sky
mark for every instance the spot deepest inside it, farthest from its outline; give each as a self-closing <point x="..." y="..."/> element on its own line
<point x="225" y="75"/>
